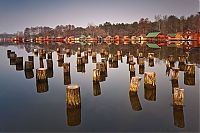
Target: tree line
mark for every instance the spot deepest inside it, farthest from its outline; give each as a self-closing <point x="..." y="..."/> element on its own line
<point x="164" y="24"/>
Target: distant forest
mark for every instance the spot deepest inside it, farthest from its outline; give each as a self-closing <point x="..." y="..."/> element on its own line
<point x="164" y="24"/>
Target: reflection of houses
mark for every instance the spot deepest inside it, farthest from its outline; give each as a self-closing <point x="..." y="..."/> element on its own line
<point x="156" y="36"/>
<point x="59" y="39"/>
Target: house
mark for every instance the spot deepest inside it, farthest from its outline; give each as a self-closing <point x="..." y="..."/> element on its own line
<point x="142" y="37"/>
<point x="116" y="38"/>
<point x="179" y="36"/>
<point x="156" y="36"/>
<point x="171" y="36"/>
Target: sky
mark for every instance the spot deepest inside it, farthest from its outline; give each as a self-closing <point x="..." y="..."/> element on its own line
<point x="16" y="15"/>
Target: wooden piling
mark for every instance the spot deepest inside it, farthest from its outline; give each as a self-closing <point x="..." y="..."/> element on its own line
<point x="49" y="55"/>
<point x="41" y="74"/>
<point x="73" y="96"/>
<point x="178" y="97"/>
<point x="66" y="67"/>
<point x="150" y="78"/>
<point x="132" y="66"/>
<point x="175" y="74"/>
<point x="19" y="63"/>
<point x="96" y="75"/>
<point x="134" y="85"/>
<point x="8" y="53"/>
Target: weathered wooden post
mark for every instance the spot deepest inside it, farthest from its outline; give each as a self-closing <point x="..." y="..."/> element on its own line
<point x="105" y="66"/>
<point x="42" y="53"/>
<point x="8" y="53"/>
<point x="141" y="69"/>
<point x="89" y="51"/>
<point x="94" y="58"/>
<point x="66" y="71"/>
<point x="151" y="59"/>
<point x="79" y="60"/>
<point x="49" y="68"/>
<point x="13" y="57"/>
<point x="49" y="55"/>
<point x="140" y="55"/>
<point x="68" y="52"/>
<point x="41" y="80"/>
<point x="19" y="63"/>
<point x="189" y="74"/>
<point x="73" y="100"/>
<point x="106" y="53"/>
<point x="41" y="63"/>
<point x="101" y="67"/>
<point x="31" y="58"/>
<point x="96" y="75"/>
<point x="181" y="66"/>
<point x="129" y="58"/>
<point x="86" y="57"/>
<point x="135" y="101"/>
<point x="79" y="52"/>
<point x="61" y="57"/>
<point x="66" y="67"/>
<point x="178" y="97"/>
<point x="141" y="61"/>
<point x="175" y="84"/>
<point x="150" y="86"/>
<point x="58" y="50"/>
<point x="150" y="78"/>
<point x="80" y="64"/>
<point x="171" y="58"/>
<point x="182" y="59"/>
<point x="35" y="51"/>
<point x="60" y="60"/>
<point x="175" y="74"/>
<point x="102" y="53"/>
<point x="96" y="88"/>
<point x="178" y="102"/>
<point x="135" y="83"/>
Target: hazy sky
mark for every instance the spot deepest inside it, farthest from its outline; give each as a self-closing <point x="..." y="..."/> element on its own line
<point x="15" y="15"/>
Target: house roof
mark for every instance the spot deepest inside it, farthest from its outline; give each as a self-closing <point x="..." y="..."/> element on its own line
<point x="172" y="34"/>
<point x="153" y="34"/>
<point x="152" y="45"/>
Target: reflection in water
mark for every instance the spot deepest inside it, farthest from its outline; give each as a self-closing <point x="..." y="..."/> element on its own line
<point x="49" y="68"/>
<point x="96" y="88"/>
<point x="73" y="100"/>
<point x="19" y="63"/>
<point x="73" y="110"/>
<point x="178" y="116"/>
<point x="29" y="74"/>
<point x="189" y="75"/>
<point x="135" y="101"/>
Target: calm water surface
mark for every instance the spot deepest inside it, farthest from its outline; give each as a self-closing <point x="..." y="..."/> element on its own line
<point x="25" y="108"/>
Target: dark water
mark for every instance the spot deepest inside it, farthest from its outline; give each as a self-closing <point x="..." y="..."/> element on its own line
<point x="23" y="108"/>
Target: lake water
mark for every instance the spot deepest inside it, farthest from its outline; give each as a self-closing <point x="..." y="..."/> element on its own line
<point x="107" y="106"/>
